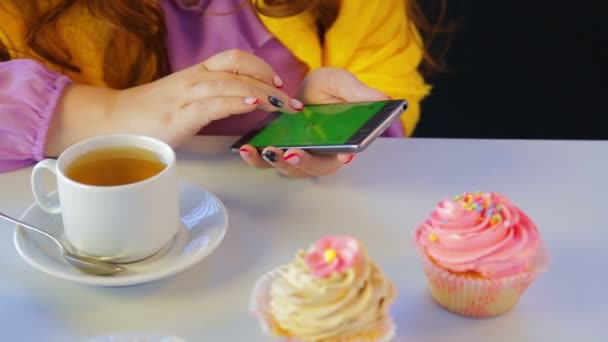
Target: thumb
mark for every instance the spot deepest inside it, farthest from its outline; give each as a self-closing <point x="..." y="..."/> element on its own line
<point x="350" y="89"/>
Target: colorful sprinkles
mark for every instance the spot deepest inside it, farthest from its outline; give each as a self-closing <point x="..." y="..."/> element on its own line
<point x="495" y="219"/>
<point x="482" y="203"/>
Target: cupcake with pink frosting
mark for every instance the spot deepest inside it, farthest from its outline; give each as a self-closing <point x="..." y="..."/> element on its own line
<point x="332" y="291"/>
<point x="480" y="253"/>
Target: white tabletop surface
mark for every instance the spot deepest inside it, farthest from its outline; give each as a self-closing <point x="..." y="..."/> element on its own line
<point x="380" y="197"/>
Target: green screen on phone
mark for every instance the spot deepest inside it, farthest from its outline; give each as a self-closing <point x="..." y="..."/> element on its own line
<point x="317" y="125"/>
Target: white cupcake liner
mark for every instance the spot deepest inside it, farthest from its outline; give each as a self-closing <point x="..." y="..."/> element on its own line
<point x="473" y="296"/>
<point x="259" y="305"/>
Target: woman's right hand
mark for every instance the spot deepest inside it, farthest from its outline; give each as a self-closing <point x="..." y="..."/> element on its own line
<point x="173" y="108"/>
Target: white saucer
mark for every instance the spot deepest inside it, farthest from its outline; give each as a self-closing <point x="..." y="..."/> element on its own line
<point x="204" y="223"/>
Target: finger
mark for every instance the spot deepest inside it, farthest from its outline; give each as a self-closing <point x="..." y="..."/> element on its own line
<point x="243" y="63"/>
<point x="349" y="88"/>
<point x="200" y="113"/>
<point x="251" y="156"/>
<point x="272" y="98"/>
<point x="346" y="158"/>
<point x="317" y="165"/>
<point x="274" y="156"/>
<point x="226" y="84"/>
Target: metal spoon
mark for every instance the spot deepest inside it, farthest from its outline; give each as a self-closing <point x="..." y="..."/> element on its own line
<point x="85" y="264"/>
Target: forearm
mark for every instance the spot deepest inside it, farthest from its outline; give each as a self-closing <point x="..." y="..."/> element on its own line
<point x="82" y="112"/>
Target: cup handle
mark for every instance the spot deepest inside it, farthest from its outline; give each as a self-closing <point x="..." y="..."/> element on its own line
<point x="42" y="197"/>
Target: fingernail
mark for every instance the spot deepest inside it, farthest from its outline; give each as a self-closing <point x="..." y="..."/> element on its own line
<point x="278" y="82"/>
<point x="352" y="156"/>
<point x="270" y="156"/>
<point x="275" y="102"/>
<point x="251" y="100"/>
<point x="292" y="158"/>
<point x="295" y="104"/>
<point x="244" y="153"/>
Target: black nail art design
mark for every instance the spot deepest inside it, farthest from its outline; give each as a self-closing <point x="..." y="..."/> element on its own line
<point x="270" y="156"/>
<point x="275" y="102"/>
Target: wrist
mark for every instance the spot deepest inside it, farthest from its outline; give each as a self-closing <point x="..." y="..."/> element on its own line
<point x="82" y="112"/>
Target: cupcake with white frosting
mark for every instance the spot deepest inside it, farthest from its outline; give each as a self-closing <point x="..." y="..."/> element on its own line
<point x="330" y="292"/>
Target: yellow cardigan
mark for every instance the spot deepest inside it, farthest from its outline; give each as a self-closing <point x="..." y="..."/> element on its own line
<point x="371" y="38"/>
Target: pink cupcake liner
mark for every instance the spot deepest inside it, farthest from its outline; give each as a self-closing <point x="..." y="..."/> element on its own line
<point x="473" y="296"/>
<point x="259" y="306"/>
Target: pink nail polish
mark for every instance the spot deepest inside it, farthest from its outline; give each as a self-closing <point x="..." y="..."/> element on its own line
<point x="278" y="82"/>
<point x="350" y="159"/>
<point x="295" y="104"/>
<point x="244" y="153"/>
<point x="252" y="100"/>
<point x="292" y="158"/>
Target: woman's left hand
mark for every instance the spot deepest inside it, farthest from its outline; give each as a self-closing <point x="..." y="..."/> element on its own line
<point x="324" y="85"/>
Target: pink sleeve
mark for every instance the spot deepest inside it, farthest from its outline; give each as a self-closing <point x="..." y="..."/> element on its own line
<point x="28" y="96"/>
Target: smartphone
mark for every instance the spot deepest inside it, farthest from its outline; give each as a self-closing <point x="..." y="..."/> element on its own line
<point x="324" y="129"/>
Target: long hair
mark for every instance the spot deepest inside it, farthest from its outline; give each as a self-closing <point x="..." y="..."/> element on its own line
<point x="143" y="22"/>
<point x="437" y="29"/>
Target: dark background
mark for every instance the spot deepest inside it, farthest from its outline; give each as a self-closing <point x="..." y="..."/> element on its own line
<point x="534" y="70"/>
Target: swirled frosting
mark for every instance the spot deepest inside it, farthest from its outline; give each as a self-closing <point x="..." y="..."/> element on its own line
<point x="319" y="305"/>
<point x="482" y="233"/>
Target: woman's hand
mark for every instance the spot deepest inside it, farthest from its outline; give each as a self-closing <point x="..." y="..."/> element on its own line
<point x="324" y="85"/>
<point x="173" y="108"/>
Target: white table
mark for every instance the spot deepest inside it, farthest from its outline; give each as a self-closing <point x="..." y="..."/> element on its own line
<point x="379" y="198"/>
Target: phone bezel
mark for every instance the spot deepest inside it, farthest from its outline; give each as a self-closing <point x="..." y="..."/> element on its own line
<point x="358" y="142"/>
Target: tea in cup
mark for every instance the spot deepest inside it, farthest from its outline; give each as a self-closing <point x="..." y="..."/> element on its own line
<point x="118" y="196"/>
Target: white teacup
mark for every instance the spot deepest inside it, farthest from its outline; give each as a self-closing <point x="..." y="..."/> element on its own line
<point x="125" y="222"/>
